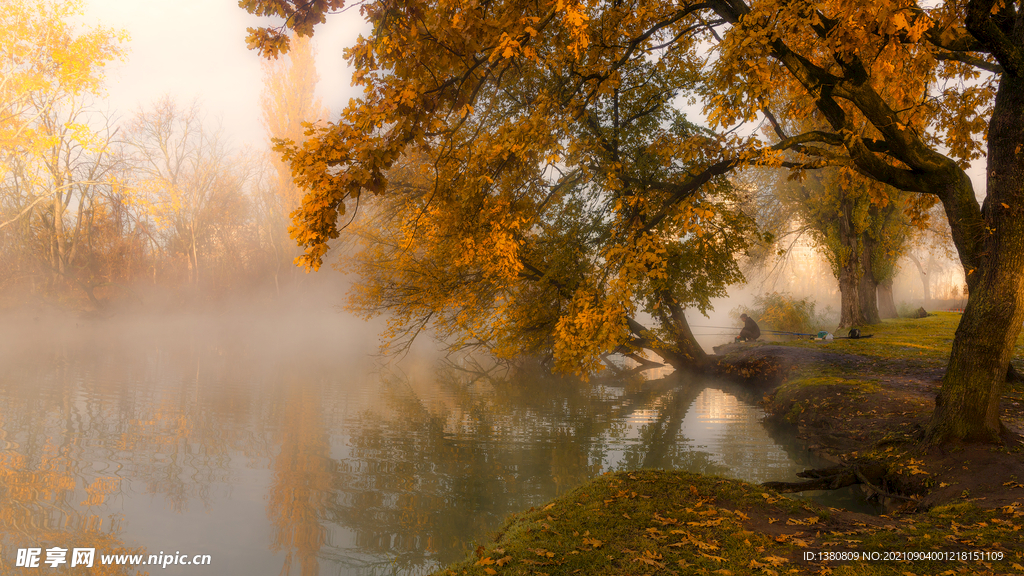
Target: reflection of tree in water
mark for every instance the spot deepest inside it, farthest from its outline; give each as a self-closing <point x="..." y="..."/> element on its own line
<point x="79" y="423"/>
<point x="743" y="445"/>
<point x="38" y="509"/>
<point x="750" y="450"/>
<point x="428" y="469"/>
<point x="659" y="444"/>
<point x="304" y="475"/>
<point x="119" y="413"/>
<point x="437" y="462"/>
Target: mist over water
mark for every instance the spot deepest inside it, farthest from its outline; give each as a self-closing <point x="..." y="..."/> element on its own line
<point x="274" y="439"/>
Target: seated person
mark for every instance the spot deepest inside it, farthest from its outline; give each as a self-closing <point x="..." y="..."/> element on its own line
<point x="750" y="331"/>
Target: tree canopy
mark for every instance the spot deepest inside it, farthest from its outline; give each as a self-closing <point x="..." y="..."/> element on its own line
<point x="905" y="93"/>
<point x="553" y="256"/>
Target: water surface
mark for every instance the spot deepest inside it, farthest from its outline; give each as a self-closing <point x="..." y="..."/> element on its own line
<point x="280" y="446"/>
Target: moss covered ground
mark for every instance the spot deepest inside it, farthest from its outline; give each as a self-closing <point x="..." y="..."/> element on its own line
<point x="671" y="522"/>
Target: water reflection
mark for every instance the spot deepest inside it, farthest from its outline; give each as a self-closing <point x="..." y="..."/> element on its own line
<point x="275" y="448"/>
<point x="47" y="500"/>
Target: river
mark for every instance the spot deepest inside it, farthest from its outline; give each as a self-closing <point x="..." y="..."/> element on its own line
<point x="282" y="445"/>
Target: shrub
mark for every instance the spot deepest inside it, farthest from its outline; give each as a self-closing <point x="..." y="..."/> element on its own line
<point x="786" y="313"/>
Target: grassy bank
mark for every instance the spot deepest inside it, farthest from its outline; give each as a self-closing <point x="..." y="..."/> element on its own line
<point x="855" y="399"/>
<point x="662" y="522"/>
<point x="924" y="341"/>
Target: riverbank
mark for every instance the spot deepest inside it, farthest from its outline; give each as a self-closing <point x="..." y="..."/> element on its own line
<point x="851" y="401"/>
<point x="872" y="398"/>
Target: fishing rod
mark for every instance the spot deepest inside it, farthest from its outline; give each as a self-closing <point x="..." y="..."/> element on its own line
<point x="762" y="331"/>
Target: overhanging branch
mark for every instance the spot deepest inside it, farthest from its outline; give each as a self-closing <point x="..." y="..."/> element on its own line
<point x="969" y="59"/>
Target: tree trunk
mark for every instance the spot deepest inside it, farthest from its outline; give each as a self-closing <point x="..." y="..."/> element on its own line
<point x="849" y="300"/>
<point x="886" y="303"/>
<point x="684" y="353"/>
<point x="967" y="406"/>
<point x="194" y="257"/>
<point x="691" y="352"/>
<point x="57" y="250"/>
<point x="925" y="283"/>
<point x="867" y="289"/>
<point x="851" y="273"/>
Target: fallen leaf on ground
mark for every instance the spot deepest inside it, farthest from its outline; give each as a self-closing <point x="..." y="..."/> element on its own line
<point x="650" y="559"/>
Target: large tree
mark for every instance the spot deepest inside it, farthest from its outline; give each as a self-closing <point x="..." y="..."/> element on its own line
<point x="552" y="257"/>
<point x="193" y="188"/>
<point x="909" y="96"/>
<point x="861" y="228"/>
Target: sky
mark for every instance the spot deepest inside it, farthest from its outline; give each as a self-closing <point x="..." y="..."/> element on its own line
<point x="192" y="49"/>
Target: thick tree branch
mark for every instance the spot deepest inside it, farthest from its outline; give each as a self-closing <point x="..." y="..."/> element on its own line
<point x="969" y="59"/>
<point x="982" y="25"/>
<point x="681" y="191"/>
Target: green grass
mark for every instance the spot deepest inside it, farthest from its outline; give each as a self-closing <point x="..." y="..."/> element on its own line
<point x="927" y="340"/>
<point x="671" y="522"/>
<point x="896" y="347"/>
<point x="919" y="339"/>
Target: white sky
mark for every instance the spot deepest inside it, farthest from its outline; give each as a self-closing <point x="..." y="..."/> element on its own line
<point x="196" y="49"/>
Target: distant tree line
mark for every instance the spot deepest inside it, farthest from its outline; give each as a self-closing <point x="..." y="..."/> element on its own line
<point x="94" y="208"/>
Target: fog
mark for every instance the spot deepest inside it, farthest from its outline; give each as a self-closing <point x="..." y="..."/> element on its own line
<point x="267" y="432"/>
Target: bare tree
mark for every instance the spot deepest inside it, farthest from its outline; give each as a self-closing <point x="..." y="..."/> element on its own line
<point x="183" y="170"/>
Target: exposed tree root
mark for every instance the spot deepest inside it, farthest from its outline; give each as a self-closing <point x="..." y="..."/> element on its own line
<point x="870" y="473"/>
<point x="765" y="371"/>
